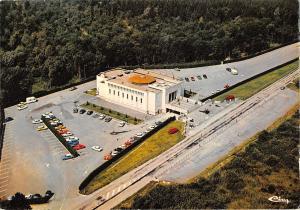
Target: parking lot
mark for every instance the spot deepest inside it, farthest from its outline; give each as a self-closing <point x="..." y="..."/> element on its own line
<point x="36" y="163"/>
<point x="218" y="77"/>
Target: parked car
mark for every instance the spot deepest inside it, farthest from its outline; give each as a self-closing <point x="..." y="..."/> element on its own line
<point x="41" y="128"/>
<point x="22" y="107"/>
<point x="73" y="88"/>
<point x="158" y="122"/>
<point x="186" y="79"/>
<point x="107" y="157"/>
<point x="199" y="77"/>
<point x="228" y="69"/>
<point x="97" y="148"/>
<point x="67" y="134"/>
<point x="67" y="157"/>
<point x="204" y="76"/>
<point x="62" y="131"/>
<point x="31" y="100"/>
<point x="79" y="146"/>
<point x="108" y="119"/>
<point x="226" y="86"/>
<point x="118" y="149"/>
<point x="72" y="138"/>
<point x="36" y="121"/>
<point x="114" y="153"/>
<point x="82" y="111"/>
<point x="73" y="143"/>
<point x="282" y="88"/>
<point x="192" y="78"/>
<point x="121" y="124"/>
<point x="89" y="112"/>
<point x="95" y="115"/>
<point x="139" y="135"/>
<point x="102" y="116"/>
<point x="75" y="110"/>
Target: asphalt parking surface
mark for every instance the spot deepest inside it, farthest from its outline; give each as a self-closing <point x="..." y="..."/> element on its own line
<point x="218" y="77"/>
<point x="35" y="156"/>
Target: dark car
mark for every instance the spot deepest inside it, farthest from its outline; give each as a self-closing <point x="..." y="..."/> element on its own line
<point x="89" y="112"/>
<point x="204" y="76"/>
<point x="118" y="149"/>
<point x="82" y="111"/>
<point x="187" y="79"/>
<point x="158" y="123"/>
<point x="108" y="119"/>
<point x="228" y="69"/>
<point x="199" y="77"/>
<point x="75" y="110"/>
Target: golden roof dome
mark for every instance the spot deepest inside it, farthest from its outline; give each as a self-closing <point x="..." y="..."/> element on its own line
<point x="141" y="79"/>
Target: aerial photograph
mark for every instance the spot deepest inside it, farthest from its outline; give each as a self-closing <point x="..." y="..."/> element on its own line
<point x="149" y="104"/>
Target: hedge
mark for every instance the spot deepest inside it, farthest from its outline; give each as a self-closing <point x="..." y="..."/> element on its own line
<point x="60" y="137"/>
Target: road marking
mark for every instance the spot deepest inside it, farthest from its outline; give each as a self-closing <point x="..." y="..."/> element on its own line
<point x="5" y="177"/>
<point x="4" y="190"/>
<point x="3" y="186"/>
<point x="119" y="189"/>
<point x="113" y="193"/>
<point x="4" y="181"/>
<point x="107" y="196"/>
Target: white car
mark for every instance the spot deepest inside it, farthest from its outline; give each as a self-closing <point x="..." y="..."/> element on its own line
<point x="36" y="121"/>
<point x="67" y="134"/>
<point x="114" y="153"/>
<point x="71" y="138"/>
<point x="22" y="107"/>
<point x="121" y="124"/>
<point x="151" y="128"/>
<point x="97" y="148"/>
<point x="102" y="116"/>
<point x="139" y="135"/>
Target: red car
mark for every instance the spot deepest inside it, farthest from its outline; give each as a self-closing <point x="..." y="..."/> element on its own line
<point x="192" y="78"/>
<point x="79" y="146"/>
<point x="63" y="131"/>
<point x="173" y="130"/>
<point x="226" y="86"/>
<point x="107" y="157"/>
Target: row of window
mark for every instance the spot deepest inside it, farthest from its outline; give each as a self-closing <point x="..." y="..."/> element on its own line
<point x="123" y="95"/>
<point x="125" y="89"/>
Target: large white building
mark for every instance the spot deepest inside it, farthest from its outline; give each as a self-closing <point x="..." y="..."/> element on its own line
<point x="142" y="90"/>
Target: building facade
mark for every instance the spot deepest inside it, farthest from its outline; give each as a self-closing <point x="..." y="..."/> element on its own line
<point x="142" y="90"/>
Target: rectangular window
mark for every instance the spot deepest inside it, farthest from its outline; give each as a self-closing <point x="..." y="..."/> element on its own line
<point x="109" y="91"/>
<point x="141" y="100"/>
<point x="123" y="95"/>
<point x="132" y="98"/>
<point x="127" y="96"/>
<point x="118" y="93"/>
<point x="114" y="92"/>
<point x="136" y="99"/>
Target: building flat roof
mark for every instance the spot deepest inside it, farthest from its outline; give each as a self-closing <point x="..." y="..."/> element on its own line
<point x="124" y="77"/>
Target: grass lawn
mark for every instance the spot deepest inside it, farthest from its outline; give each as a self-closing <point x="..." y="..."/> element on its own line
<point x="111" y="113"/>
<point x="264" y="166"/>
<point x="92" y="92"/>
<point x="150" y="148"/>
<point x="248" y="89"/>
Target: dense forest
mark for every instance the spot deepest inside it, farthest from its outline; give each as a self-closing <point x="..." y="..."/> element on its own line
<point x="46" y="44"/>
<point x="267" y="167"/>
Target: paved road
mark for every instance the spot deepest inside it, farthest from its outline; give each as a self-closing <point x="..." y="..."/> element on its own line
<point x="162" y="164"/>
<point x="218" y="76"/>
